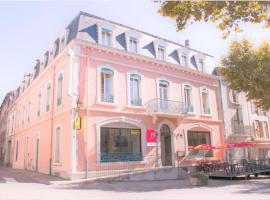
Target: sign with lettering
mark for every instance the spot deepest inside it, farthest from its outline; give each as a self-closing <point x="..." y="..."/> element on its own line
<point x="78" y="123"/>
<point x="151" y="137"/>
<point x="134" y="132"/>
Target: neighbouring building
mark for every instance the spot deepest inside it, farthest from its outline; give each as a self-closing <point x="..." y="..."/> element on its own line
<point x="93" y="96"/>
<point x="244" y="122"/>
<point x="5" y="139"/>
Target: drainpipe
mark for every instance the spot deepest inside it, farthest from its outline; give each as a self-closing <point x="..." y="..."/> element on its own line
<point x="52" y="113"/>
<point x="86" y="120"/>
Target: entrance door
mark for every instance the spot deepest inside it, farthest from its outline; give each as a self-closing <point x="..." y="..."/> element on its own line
<point x="8" y="153"/>
<point x="37" y="151"/>
<point x="166" y="146"/>
<point x="26" y="153"/>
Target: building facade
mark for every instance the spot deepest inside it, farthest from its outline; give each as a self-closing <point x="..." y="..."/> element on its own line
<point x="244" y="122"/>
<point x="96" y="92"/>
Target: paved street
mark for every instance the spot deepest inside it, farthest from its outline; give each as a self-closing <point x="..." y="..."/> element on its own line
<point x="17" y="184"/>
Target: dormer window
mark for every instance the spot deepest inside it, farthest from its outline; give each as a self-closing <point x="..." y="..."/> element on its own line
<point x="201" y="65"/>
<point x="161" y="52"/>
<point x="133" y="44"/>
<point x="184" y="60"/>
<point x="106" y="35"/>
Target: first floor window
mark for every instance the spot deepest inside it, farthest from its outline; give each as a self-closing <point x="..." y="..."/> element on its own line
<point x="196" y="138"/>
<point x="135" y="90"/>
<point x="188" y="97"/>
<point x="205" y="102"/>
<point x="120" y="144"/>
<point x="107" y="85"/>
<point x="59" y="89"/>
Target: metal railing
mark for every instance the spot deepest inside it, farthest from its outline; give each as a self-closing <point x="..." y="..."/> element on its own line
<point x="136" y="102"/>
<point x="167" y="107"/>
<point x="242" y="129"/>
<point x="109" y="98"/>
<point x="206" y="110"/>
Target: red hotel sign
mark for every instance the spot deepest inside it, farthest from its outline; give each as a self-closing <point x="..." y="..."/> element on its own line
<point x="151" y="137"/>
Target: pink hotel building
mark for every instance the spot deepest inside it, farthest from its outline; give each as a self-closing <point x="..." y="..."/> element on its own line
<point x="94" y="94"/>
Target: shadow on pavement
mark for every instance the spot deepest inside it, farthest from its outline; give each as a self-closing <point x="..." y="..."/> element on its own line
<point x="22" y="176"/>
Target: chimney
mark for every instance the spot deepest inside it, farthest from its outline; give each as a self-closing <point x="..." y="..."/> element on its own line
<point x="187" y="43"/>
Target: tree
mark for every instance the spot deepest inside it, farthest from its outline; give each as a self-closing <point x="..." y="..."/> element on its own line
<point x="247" y="69"/>
<point x="227" y="14"/>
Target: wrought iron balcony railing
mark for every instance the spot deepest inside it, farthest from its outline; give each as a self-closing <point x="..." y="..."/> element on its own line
<point x="241" y="129"/>
<point x="167" y="107"/>
<point x="107" y="98"/>
<point x="136" y="102"/>
<point x="206" y="110"/>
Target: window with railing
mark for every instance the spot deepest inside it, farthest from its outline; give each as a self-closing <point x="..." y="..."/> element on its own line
<point x="205" y="101"/>
<point x="107" y="86"/>
<point x="163" y="94"/>
<point x="188" y="97"/>
<point x="135" y="90"/>
<point x="38" y="104"/>
<point x="48" y="98"/>
<point x="59" y="89"/>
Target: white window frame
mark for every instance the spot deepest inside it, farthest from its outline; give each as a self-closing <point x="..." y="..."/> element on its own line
<point x="62" y="92"/>
<point x="107" y="32"/>
<point x="202" y="89"/>
<point x="141" y="89"/>
<point x="39" y="97"/>
<point x="133" y="40"/>
<point x="115" y="85"/>
<point x="48" y="102"/>
<point x="191" y="94"/>
<point x="157" y="87"/>
<point x="59" y="145"/>
<point x="163" y="48"/>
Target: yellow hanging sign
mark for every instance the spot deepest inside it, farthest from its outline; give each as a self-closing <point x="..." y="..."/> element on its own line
<point x="78" y="123"/>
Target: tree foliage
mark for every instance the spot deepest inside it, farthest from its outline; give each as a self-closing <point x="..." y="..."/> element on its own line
<point x="226" y="14"/>
<point x="247" y="69"/>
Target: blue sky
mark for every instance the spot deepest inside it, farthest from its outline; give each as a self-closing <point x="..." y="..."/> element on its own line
<point x="27" y="29"/>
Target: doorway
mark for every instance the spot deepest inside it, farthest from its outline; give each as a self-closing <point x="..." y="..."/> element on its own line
<point x="37" y="152"/>
<point x="26" y="155"/>
<point x="166" y="145"/>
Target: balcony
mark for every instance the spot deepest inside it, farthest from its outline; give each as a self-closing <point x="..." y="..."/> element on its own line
<point x="136" y="102"/>
<point x="241" y="129"/>
<point x="108" y="98"/>
<point x="167" y="107"/>
<point x="206" y="111"/>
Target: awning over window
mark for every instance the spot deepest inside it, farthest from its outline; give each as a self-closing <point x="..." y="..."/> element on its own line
<point x="107" y="71"/>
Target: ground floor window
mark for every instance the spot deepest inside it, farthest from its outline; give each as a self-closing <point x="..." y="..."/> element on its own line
<point x="120" y="144"/>
<point x="196" y="138"/>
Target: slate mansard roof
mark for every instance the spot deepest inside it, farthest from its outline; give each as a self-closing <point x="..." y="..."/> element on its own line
<point x="85" y="27"/>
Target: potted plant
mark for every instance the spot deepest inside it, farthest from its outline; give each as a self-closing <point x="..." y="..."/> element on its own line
<point x="198" y="179"/>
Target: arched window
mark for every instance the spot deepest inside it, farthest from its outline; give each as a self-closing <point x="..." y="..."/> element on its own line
<point x="135" y="90"/>
<point x="48" y="98"/>
<point x="59" y="89"/>
<point x="163" y="94"/>
<point x="107" y="86"/>
<point x="205" y="101"/>
<point x="188" y="97"/>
